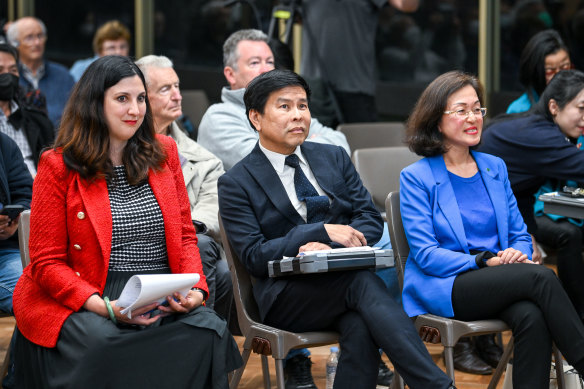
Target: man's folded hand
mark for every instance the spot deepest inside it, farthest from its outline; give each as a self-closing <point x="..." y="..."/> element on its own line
<point x="345" y="235"/>
<point x="313" y="246"/>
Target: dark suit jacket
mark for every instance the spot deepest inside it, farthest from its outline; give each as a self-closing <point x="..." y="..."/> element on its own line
<point x="262" y="224"/>
<point x="534" y="150"/>
<point x="38" y="129"/>
<point x="15" y="181"/>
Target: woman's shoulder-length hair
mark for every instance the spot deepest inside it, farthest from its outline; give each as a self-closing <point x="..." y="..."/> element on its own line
<point x="422" y="134"/>
<point x="563" y="88"/>
<point x="83" y="136"/>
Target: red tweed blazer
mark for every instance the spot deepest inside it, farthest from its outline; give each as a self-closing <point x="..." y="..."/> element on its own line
<point x="70" y="241"/>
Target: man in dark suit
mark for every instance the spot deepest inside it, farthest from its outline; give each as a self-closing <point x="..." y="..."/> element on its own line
<point x="287" y="197"/>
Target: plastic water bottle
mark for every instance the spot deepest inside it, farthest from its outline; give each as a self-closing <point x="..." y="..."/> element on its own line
<point x="331" y="367"/>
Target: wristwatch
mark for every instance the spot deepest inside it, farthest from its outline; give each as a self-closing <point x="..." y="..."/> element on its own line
<point x="203" y="292"/>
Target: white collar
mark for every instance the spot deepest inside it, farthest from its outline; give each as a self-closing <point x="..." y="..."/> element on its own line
<point x="278" y="160"/>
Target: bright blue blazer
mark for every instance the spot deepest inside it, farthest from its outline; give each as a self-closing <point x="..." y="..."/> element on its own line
<point x="433" y="226"/>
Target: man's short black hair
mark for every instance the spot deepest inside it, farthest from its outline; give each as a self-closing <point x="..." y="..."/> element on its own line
<point x="260" y="88"/>
<point x="5" y="47"/>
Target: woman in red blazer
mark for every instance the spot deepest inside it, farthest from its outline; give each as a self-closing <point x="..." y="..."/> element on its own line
<point x="109" y="201"/>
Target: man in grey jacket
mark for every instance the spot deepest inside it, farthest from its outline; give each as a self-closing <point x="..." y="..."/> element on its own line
<point x="224" y="129"/>
<point x="201" y="170"/>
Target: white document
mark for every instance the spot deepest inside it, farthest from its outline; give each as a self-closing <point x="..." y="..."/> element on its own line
<point x="340" y="250"/>
<point x="145" y="289"/>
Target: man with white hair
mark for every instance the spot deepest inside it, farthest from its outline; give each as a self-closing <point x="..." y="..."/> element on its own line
<point x="224" y="129"/>
<point x="29" y="36"/>
<point x="201" y="170"/>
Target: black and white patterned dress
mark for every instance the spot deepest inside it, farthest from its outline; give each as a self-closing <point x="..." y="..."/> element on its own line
<point x="194" y="350"/>
<point x="138" y="242"/>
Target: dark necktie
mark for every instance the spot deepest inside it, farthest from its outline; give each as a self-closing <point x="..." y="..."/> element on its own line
<point x="316" y="206"/>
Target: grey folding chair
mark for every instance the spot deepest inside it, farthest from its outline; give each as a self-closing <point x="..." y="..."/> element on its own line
<point x="377" y="134"/>
<point x="380" y="168"/>
<point x="447" y="331"/>
<point x="23" y="234"/>
<point x="194" y="104"/>
<point x="259" y="337"/>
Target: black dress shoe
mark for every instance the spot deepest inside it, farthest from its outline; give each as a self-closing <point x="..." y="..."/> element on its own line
<point x="467" y="360"/>
<point x="385" y="375"/>
<point x="297" y="373"/>
<point x="488" y="350"/>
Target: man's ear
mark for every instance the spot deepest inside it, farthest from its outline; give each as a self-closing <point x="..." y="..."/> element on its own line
<point x="254" y="118"/>
<point x="229" y="74"/>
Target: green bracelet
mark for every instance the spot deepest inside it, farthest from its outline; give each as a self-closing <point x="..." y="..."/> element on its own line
<point x="110" y="310"/>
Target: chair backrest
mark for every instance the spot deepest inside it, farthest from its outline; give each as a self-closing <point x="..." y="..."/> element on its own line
<point x="23" y="235"/>
<point x="194" y="104"/>
<point x="380" y="168"/>
<point x="247" y="308"/>
<point x="379" y="134"/>
<point x="397" y="235"/>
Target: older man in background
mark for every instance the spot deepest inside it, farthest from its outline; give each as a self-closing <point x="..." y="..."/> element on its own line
<point x="224" y="129"/>
<point x="29" y="36"/>
<point x="201" y="170"/>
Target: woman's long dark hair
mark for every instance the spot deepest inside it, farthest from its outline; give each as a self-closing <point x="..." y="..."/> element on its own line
<point x="532" y="61"/>
<point x="563" y="88"/>
<point x="83" y="136"/>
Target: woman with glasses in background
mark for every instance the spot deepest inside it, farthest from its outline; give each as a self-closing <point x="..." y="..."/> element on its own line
<point x="544" y="55"/>
<point x="469" y="248"/>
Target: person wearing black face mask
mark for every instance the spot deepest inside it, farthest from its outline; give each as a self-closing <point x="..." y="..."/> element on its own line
<point x="20" y="116"/>
<point x="8" y="86"/>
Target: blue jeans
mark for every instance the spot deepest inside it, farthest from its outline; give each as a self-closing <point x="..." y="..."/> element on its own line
<point x="10" y="271"/>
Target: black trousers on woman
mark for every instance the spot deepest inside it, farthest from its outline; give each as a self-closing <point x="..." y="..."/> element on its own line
<point x="567" y="239"/>
<point x="531" y="300"/>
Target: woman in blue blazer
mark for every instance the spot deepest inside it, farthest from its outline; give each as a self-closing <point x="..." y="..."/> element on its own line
<point x="469" y="248"/>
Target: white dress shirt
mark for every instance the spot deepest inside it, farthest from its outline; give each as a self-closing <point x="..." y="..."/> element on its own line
<point x="286" y="174"/>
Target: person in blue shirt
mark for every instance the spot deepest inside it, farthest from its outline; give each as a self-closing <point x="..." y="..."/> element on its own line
<point x="29" y="36"/>
<point x="469" y="247"/>
<point x="112" y="38"/>
<point x="544" y="55"/>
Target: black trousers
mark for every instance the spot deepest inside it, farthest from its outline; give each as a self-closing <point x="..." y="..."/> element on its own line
<point x="531" y="300"/>
<point x="358" y="306"/>
<point x="218" y="276"/>
<point x="567" y="239"/>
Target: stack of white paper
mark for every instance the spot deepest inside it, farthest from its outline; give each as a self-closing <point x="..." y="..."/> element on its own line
<point x="141" y="290"/>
